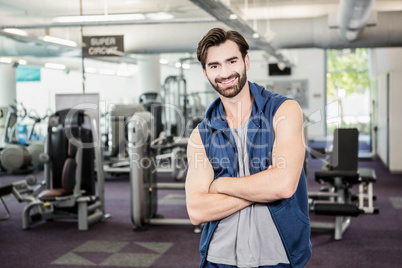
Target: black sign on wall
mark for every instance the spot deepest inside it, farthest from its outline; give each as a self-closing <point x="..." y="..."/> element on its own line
<point x="273" y="69"/>
<point x="102" y="46"/>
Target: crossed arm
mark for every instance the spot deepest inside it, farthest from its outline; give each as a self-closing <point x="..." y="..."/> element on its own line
<point x="209" y="200"/>
<point x="202" y="205"/>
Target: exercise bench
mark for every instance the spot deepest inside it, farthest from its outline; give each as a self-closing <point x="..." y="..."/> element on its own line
<point x="340" y="173"/>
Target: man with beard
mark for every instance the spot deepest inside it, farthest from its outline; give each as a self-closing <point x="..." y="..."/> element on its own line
<point x="245" y="177"/>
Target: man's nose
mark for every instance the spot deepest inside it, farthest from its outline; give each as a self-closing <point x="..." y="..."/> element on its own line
<point x="225" y="71"/>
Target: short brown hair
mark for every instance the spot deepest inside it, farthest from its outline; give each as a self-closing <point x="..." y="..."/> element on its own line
<point x="217" y="36"/>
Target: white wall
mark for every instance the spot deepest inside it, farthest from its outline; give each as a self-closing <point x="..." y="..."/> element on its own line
<point x="381" y="118"/>
<point x="384" y="60"/>
<point x="388" y="62"/>
<point x="41" y="95"/>
<point x="395" y="154"/>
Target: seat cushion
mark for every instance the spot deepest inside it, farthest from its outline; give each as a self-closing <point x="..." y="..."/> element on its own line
<point x="6" y="189"/>
<point x="51" y="194"/>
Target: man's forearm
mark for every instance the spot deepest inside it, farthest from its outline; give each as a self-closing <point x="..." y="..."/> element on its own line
<point x="265" y="186"/>
<point x="206" y="207"/>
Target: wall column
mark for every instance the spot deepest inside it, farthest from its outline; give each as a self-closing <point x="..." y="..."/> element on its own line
<point x="8" y="84"/>
<point x="149" y="74"/>
<point x="8" y="93"/>
<point x="149" y="77"/>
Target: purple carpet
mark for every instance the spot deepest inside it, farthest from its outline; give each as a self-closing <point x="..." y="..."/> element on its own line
<point x="370" y="241"/>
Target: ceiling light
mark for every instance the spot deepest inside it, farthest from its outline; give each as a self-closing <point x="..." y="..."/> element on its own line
<point x="15" y="31"/>
<point x="90" y="70"/>
<point x="185" y="66"/>
<point x="107" y="71"/>
<point x="123" y="73"/>
<point x="256" y="35"/>
<point x="233" y="16"/>
<point x="58" y="41"/>
<point x="55" y="66"/>
<point x="22" y="62"/>
<point x="163" y="61"/>
<point x="98" y="18"/>
<point x="5" y="60"/>
<point x="159" y="16"/>
<point x="281" y="65"/>
<point x="178" y="64"/>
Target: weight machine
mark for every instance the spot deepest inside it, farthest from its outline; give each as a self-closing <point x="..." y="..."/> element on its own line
<point x="143" y="175"/>
<point x="115" y="156"/>
<point x="72" y="169"/>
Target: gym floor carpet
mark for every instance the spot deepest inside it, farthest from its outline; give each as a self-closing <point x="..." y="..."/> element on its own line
<point x="370" y="241"/>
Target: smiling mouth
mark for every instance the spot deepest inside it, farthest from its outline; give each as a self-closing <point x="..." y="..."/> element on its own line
<point x="229" y="82"/>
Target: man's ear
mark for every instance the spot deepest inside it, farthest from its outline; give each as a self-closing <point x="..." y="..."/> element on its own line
<point x="247" y="62"/>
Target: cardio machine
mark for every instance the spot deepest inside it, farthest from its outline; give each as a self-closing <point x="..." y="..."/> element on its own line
<point x="19" y="155"/>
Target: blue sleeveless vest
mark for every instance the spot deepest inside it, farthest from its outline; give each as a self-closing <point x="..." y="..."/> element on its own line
<point x="290" y="215"/>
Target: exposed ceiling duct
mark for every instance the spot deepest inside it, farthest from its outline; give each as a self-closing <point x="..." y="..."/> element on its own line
<point x="315" y="32"/>
<point x="352" y="17"/>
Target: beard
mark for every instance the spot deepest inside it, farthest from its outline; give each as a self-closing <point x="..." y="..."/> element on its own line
<point x="232" y="91"/>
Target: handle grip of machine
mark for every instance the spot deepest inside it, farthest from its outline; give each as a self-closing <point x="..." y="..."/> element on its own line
<point x="31" y="180"/>
<point x="44" y="157"/>
<point x="53" y="121"/>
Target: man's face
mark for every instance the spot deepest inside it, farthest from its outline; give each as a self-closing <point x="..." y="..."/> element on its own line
<point x="225" y="69"/>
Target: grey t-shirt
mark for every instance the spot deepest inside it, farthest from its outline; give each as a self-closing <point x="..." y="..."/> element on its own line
<point x="247" y="238"/>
